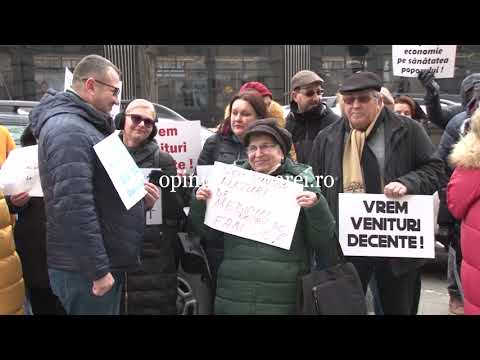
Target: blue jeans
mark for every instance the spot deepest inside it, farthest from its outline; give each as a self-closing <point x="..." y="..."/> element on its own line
<point x="75" y="294"/>
<point x="453" y="275"/>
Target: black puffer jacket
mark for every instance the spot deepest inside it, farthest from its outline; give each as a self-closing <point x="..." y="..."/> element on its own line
<point x="223" y="148"/>
<point x="409" y="159"/>
<point x="89" y="230"/>
<point x="304" y="127"/>
<point x="152" y="290"/>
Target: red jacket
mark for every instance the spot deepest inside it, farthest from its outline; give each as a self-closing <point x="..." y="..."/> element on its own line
<point x="463" y="196"/>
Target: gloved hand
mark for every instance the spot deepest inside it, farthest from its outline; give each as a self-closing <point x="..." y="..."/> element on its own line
<point x="427" y="78"/>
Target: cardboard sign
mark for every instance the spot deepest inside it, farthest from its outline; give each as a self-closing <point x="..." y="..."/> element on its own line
<point x="252" y="205"/>
<point x="181" y="139"/>
<point x="374" y="225"/>
<point x="154" y="215"/>
<point x="20" y="173"/>
<point x="408" y="60"/>
<point x="122" y="170"/>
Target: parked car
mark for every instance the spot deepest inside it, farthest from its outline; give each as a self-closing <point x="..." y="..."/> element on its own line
<point x="14" y="116"/>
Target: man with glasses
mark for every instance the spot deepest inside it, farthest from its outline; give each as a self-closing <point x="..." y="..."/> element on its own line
<point x="308" y="115"/>
<point x="91" y="238"/>
<point x="373" y="150"/>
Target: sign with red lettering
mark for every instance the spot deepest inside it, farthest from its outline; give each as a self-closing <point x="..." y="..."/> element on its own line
<point x="374" y="225"/>
<point x="181" y="139"/>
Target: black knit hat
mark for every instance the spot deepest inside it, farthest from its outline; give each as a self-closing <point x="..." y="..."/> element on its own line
<point x="361" y="81"/>
<point x="270" y="127"/>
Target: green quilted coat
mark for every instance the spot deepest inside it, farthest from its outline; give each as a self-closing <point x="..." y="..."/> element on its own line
<point x="256" y="278"/>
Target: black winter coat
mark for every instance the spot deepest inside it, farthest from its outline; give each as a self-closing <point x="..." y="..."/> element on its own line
<point x="304" y="127"/>
<point x="223" y="148"/>
<point x="409" y="159"/>
<point x="152" y="290"/>
<point x="89" y="230"/>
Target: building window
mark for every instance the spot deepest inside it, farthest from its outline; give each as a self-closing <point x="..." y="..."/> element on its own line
<point x="50" y="71"/>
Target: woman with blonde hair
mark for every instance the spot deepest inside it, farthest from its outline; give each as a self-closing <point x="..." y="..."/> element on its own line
<point x="463" y="197"/>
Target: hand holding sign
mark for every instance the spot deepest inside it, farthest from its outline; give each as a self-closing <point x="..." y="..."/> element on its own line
<point x="307" y="199"/>
<point x="19" y="200"/>
<point x="152" y="195"/>
<point x="427" y="78"/>
<point x="395" y="189"/>
<point x="203" y="193"/>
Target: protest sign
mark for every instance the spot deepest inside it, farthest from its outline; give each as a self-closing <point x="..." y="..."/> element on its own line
<point x="19" y="172"/>
<point x="154" y="215"/>
<point x="68" y="79"/>
<point x="181" y="139"/>
<point x="252" y="205"/>
<point x="122" y="170"/>
<point x="203" y="172"/>
<point x="408" y="60"/>
<point x="374" y="225"/>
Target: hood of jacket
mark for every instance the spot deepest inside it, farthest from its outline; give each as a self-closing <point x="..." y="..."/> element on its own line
<point x="55" y="103"/>
<point x="467" y="84"/>
<point x="466" y="153"/>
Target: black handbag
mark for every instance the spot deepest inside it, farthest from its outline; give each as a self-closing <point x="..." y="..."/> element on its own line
<point x="336" y="290"/>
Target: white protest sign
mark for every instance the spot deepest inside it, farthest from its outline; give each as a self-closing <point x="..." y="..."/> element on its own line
<point x="154" y="215"/>
<point x="408" y="60"/>
<point x="122" y="170"/>
<point x="68" y="79"/>
<point x="374" y="225"/>
<point x="252" y="205"/>
<point x="203" y="172"/>
<point x="181" y="139"/>
<point x="19" y="172"/>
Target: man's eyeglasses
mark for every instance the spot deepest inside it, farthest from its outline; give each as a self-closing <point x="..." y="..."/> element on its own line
<point x="350" y="99"/>
<point x="115" y="91"/>
<point x="263" y="148"/>
<point x="311" y="92"/>
<point x="137" y="119"/>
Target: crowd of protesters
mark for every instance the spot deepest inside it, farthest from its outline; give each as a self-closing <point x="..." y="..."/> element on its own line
<point x="83" y="252"/>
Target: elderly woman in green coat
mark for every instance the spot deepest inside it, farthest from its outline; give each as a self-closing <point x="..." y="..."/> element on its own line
<point x="257" y="278"/>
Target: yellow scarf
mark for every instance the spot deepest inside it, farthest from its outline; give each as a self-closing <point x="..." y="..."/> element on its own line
<point x="352" y="155"/>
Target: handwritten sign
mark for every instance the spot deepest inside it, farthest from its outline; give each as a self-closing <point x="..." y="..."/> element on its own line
<point x="408" y="60"/>
<point x="122" y="170"/>
<point x="252" y="205"/>
<point x="374" y="225"/>
<point x="181" y="139"/>
<point x="20" y="173"/>
<point x="154" y="215"/>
